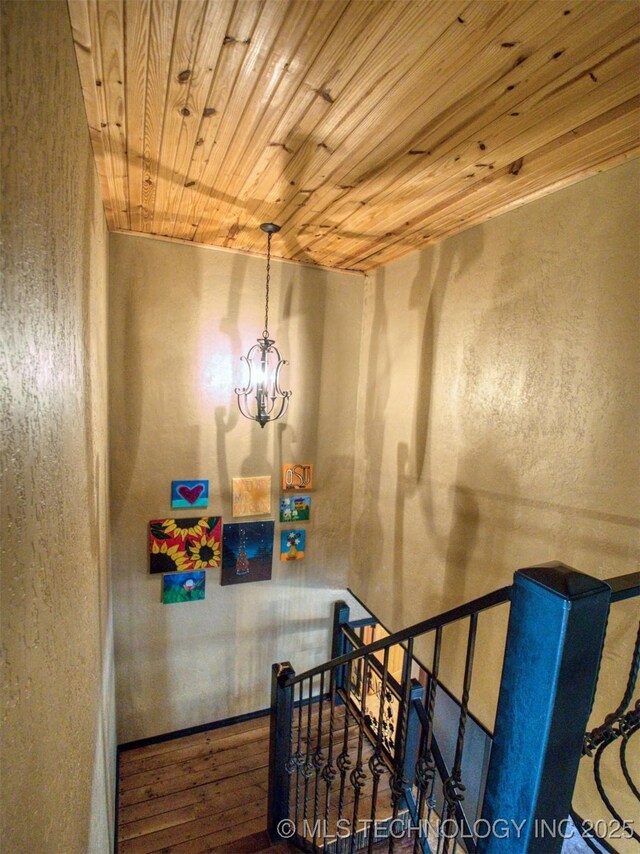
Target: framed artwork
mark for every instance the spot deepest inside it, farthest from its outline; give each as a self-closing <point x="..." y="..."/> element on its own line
<point x="189" y="493"/>
<point x="292" y="544"/>
<point x="183" y="545"/>
<point x="251" y="495"/>
<point x="247" y="552"/>
<point x="183" y="587"/>
<point x="297" y="476"/>
<point x="295" y="508"/>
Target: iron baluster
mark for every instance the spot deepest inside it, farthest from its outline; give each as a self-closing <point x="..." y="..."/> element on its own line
<point x="629" y="730"/>
<point x="593" y="738"/>
<point x="425" y="766"/>
<point x="376" y="762"/>
<point x="317" y="760"/>
<point x="358" y="775"/>
<point x="453" y="787"/>
<point x="343" y="760"/>
<point x="397" y="782"/>
<point x="603" y="794"/>
<point x="307" y="768"/>
<point x="299" y="757"/>
<point x="617" y="725"/>
<point x="329" y="771"/>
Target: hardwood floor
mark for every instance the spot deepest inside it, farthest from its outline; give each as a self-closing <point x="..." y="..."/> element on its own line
<point x="207" y="792"/>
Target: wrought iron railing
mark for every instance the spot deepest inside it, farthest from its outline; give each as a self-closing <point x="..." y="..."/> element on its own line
<point x="617" y="729"/>
<point x="358" y="745"/>
<point x="355" y="753"/>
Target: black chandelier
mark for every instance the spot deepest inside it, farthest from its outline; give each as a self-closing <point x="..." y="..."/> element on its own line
<point x="262" y="399"/>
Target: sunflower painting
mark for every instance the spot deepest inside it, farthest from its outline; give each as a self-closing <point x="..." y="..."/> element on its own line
<point x="183" y="545"/>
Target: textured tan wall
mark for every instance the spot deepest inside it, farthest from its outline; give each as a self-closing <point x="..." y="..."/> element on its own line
<point x="180" y="318"/>
<point x="58" y="733"/>
<point x="498" y="415"/>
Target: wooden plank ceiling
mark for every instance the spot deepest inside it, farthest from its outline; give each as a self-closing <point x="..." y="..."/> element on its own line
<point x="366" y="128"/>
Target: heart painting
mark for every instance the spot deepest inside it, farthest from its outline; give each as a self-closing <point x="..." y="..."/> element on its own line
<point x="189" y="493"/>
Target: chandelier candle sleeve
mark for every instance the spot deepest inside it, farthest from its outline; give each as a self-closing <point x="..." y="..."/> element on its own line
<point x="262" y="399"/>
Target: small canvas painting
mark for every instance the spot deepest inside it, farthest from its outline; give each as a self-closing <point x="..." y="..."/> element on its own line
<point x="183" y="545"/>
<point x="251" y="496"/>
<point x="183" y="587"/>
<point x="247" y="552"/>
<point x="297" y="476"/>
<point x="292" y="545"/>
<point x="189" y="493"/>
<point x="295" y="508"/>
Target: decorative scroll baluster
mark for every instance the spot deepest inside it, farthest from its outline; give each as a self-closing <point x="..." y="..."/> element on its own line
<point x="307" y="767"/>
<point x="618" y="724"/>
<point x="318" y="759"/>
<point x="329" y="771"/>
<point x="344" y="760"/>
<point x="453" y="787"/>
<point x="398" y="783"/>
<point x="299" y="756"/>
<point x="376" y="763"/>
<point x="426" y="766"/>
<point x="358" y="775"/>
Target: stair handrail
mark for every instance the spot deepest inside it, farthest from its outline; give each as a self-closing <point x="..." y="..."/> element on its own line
<point x="475" y="606"/>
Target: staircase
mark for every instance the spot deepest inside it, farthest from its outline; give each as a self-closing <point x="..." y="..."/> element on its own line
<point x="369" y="751"/>
<point x="386" y="754"/>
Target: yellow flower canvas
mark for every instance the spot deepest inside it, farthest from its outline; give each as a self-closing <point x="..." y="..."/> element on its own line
<point x="182" y="545"/>
<point x="251" y="496"/>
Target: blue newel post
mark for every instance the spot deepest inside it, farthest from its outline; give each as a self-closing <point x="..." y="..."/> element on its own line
<point x="279" y="746"/>
<point x="338" y="641"/>
<point x="554" y="643"/>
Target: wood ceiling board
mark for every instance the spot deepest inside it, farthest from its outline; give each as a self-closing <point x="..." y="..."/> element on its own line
<point x="177" y="108"/>
<point x="303" y="32"/>
<point x="552" y="115"/>
<point x="296" y="145"/>
<point x="439" y="186"/>
<point x="137" y="29"/>
<point x="231" y="57"/>
<point x="600" y="144"/>
<point x="235" y="83"/>
<point x="81" y="31"/>
<point x="461" y="138"/>
<point x="273" y="144"/>
<point x="364" y="107"/>
<point x="369" y="153"/>
<point x="208" y="117"/>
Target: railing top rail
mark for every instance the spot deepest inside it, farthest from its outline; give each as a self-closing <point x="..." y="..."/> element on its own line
<point x="624" y="586"/>
<point x="497" y="597"/>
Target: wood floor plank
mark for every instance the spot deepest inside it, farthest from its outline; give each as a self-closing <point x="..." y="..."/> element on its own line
<point x="208" y="791"/>
<point x="212" y="735"/>
<point x="218" y="801"/>
<point x="210" y="775"/>
<point x="225" y="840"/>
<point x="193" y="749"/>
<point x="218" y="792"/>
<point x="208" y="824"/>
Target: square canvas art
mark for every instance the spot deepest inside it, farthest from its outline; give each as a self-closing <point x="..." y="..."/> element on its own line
<point x="297" y="476"/>
<point x="189" y="493"/>
<point x="247" y="552"/>
<point x="292" y="545"/>
<point x="295" y="508"/>
<point x="183" y="587"/>
<point x="182" y="545"/>
<point x="251" y="495"/>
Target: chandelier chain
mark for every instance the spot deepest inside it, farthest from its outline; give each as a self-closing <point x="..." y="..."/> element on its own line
<point x="265" y="333"/>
